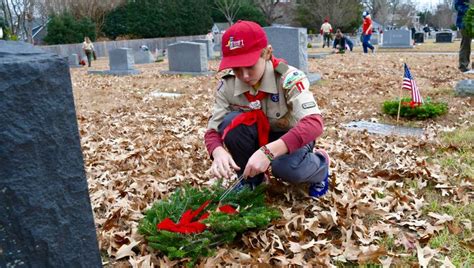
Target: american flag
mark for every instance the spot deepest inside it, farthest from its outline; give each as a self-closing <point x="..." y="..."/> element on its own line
<point x="410" y="84"/>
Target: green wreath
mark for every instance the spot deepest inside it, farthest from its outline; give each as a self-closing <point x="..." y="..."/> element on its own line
<point x="252" y="212"/>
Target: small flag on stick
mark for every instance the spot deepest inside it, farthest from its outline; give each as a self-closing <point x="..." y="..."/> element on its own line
<point x="410" y="84"/>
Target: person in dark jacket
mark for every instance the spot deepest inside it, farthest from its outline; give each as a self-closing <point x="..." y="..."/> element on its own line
<point x="461" y="7"/>
<point x="341" y="43"/>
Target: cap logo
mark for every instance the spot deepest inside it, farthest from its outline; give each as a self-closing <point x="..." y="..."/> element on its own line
<point x="235" y="44"/>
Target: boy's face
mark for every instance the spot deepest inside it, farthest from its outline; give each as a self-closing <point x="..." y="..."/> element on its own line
<point x="250" y="75"/>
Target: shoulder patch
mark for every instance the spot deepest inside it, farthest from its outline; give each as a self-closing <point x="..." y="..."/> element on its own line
<point x="292" y="78"/>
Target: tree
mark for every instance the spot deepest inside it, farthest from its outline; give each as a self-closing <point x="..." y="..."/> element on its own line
<point x="229" y="8"/>
<point x="269" y="9"/>
<point x="19" y="17"/>
<point x="444" y="15"/>
<point x="159" y="18"/>
<point x="65" y="29"/>
<point x="344" y="14"/>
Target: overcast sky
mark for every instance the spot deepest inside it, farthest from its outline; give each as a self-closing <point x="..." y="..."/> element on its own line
<point x="426" y="4"/>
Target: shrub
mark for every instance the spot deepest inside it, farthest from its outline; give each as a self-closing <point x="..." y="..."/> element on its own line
<point x="309" y="45"/>
<point x="426" y="110"/>
<point x="65" y="29"/>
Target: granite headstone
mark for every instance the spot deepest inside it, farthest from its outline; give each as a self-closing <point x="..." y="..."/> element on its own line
<point x="46" y="216"/>
<point x="143" y="57"/>
<point x="121" y="62"/>
<point x="291" y="44"/>
<point x="73" y="60"/>
<point x="187" y="58"/>
<point x="397" y="39"/>
<point x="465" y="88"/>
<point x="209" y="47"/>
<point x="419" y="37"/>
<point x="444" y="37"/>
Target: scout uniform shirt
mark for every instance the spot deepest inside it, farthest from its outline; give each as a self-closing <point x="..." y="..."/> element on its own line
<point x="288" y="101"/>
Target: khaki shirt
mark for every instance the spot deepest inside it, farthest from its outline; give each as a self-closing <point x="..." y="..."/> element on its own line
<point x="288" y="101"/>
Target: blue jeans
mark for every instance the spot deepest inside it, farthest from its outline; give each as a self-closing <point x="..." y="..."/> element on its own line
<point x="300" y="166"/>
<point x="366" y="43"/>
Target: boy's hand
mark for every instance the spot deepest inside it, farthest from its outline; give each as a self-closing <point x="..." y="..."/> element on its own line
<point x="223" y="164"/>
<point x="258" y="163"/>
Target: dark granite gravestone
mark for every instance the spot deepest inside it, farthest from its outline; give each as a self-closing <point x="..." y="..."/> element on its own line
<point x="444" y="37"/>
<point x="121" y="62"/>
<point x="45" y="212"/>
<point x="419" y="37"/>
<point x="397" y="39"/>
<point x="291" y="44"/>
<point x="188" y="58"/>
<point x="465" y="88"/>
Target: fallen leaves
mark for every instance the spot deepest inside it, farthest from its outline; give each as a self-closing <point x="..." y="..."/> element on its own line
<point x="138" y="149"/>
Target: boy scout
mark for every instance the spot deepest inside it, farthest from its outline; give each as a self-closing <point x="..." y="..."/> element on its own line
<point x="264" y="115"/>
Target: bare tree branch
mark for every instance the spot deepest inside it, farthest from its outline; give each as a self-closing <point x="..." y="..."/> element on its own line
<point x="229" y="8"/>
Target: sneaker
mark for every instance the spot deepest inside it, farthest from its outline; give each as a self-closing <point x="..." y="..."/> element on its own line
<point x="373" y="51"/>
<point x="319" y="189"/>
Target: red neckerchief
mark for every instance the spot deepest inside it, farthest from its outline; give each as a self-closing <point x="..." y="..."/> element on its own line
<point x="254" y="116"/>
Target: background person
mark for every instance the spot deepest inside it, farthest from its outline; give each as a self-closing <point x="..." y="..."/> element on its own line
<point x="88" y="48"/>
<point x="367" y="32"/>
<point x="341" y="43"/>
<point x="326" y="30"/>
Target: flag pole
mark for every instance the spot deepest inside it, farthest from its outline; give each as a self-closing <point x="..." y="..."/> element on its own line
<point x="400" y="100"/>
<point x="399" y="104"/>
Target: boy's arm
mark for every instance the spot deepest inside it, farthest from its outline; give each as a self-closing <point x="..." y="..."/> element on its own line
<point x="303" y="108"/>
<point x="212" y="138"/>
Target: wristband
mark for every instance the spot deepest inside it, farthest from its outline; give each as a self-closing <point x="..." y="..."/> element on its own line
<point x="267" y="153"/>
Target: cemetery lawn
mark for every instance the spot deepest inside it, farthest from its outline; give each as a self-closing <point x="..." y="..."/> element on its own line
<point x="404" y="201"/>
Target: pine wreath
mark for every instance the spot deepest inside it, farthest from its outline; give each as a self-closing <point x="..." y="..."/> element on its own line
<point x="222" y="225"/>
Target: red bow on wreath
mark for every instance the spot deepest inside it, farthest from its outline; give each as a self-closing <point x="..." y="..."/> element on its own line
<point x="186" y="225"/>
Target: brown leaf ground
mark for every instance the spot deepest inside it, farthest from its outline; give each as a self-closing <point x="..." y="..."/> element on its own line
<point x="393" y="200"/>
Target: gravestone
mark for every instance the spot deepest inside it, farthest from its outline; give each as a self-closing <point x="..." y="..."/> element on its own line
<point x="188" y="58"/>
<point x="465" y="88"/>
<point x="397" y="39"/>
<point x="73" y="60"/>
<point x="384" y="129"/>
<point x="143" y="57"/>
<point x="419" y="37"/>
<point x="121" y="62"/>
<point x="291" y="44"/>
<point x="46" y="216"/>
<point x="444" y="37"/>
<point x="209" y="47"/>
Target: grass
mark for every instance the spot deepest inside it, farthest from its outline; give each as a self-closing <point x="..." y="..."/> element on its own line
<point x="457" y="160"/>
<point x="460" y="145"/>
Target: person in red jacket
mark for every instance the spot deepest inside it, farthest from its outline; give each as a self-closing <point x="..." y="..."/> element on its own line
<point x="367" y="32"/>
<point x="264" y="115"/>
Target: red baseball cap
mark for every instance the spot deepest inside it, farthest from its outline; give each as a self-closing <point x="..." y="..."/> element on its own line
<point x="242" y="45"/>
